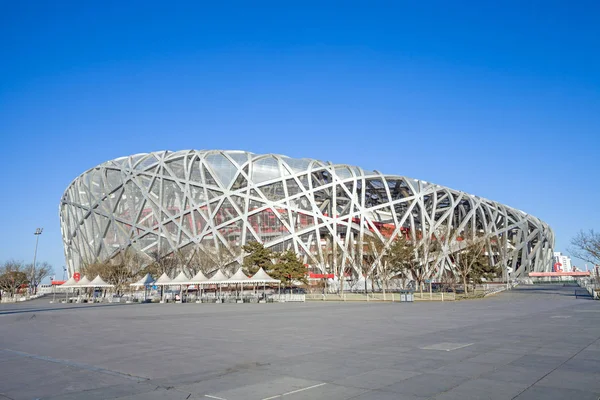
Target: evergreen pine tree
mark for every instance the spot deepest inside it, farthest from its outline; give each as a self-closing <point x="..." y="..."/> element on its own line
<point x="289" y="268"/>
<point x="258" y="257"/>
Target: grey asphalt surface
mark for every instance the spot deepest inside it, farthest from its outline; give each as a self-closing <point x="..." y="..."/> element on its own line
<point x="535" y="342"/>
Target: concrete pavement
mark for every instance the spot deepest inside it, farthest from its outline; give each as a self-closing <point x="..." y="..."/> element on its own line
<point x="530" y="343"/>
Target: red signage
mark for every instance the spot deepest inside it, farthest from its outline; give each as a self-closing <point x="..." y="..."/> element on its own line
<point x="312" y="275"/>
<point x="76" y="276"/>
<point x="557" y="266"/>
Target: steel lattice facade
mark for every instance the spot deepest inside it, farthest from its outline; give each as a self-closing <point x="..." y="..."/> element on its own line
<point x="164" y="201"/>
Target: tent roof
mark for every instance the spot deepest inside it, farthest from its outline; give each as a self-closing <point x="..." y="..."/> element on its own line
<point x="69" y="283"/>
<point x="99" y="282"/>
<point x="145" y="281"/>
<point x="163" y="280"/>
<point x="198" y="278"/>
<point x="83" y="282"/>
<point x="238" y="277"/>
<point x="180" y="279"/>
<point x="218" y="277"/>
<point x="262" y="276"/>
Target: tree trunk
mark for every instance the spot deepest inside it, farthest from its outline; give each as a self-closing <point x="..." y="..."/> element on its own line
<point x="465" y="284"/>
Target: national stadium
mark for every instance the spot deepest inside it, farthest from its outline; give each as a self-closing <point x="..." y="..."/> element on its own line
<point x="163" y="202"/>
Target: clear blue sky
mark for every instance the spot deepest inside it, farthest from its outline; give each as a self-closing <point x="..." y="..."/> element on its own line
<point x="501" y="101"/>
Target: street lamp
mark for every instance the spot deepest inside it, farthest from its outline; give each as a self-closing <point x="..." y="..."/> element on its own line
<point x="37" y="234"/>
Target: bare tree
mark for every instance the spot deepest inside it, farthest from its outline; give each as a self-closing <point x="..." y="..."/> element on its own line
<point x="371" y="247"/>
<point x="94" y="269"/>
<point x="430" y="253"/>
<point x="415" y="257"/>
<point x="37" y="273"/>
<point x="124" y="268"/>
<point x="355" y="261"/>
<point x="448" y="280"/>
<point x="469" y="256"/>
<point x="403" y="259"/>
<point x="161" y="265"/>
<point x="330" y="262"/>
<point x="500" y="248"/>
<point x="12" y="277"/>
<point x="185" y="258"/>
<point x="119" y="271"/>
<point x="586" y="246"/>
<point x="225" y="258"/>
<point x="202" y="261"/>
<point x="208" y="259"/>
<point x="388" y="261"/>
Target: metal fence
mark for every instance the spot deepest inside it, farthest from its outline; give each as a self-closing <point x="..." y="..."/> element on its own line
<point x="387" y="297"/>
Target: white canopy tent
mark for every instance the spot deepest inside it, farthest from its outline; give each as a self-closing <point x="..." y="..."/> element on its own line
<point x="239" y="277"/>
<point x="217" y="279"/>
<point x="198" y="279"/>
<point x="262" y="277"/>
<point x="69" y="283"/>
<point x="83" y="283"/>
<point x="99" y="282"/>
<point x="163" y="280"/>
<point x="180" y="280"/>
<point x="147" y="280"/>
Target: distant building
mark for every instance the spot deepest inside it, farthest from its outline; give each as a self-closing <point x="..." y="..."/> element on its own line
<point x="562" y="262"/>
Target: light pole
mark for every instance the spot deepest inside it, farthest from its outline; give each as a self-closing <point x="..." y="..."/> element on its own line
<point x="37" y="234"/>
<point x="64" y="272"/>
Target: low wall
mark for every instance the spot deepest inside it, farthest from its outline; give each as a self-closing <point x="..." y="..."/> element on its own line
<point x="388" y="297"/>
<point x="592" y="288"/>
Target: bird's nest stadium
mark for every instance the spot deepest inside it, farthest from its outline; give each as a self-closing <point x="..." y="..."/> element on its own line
<point x="162" y="202"/>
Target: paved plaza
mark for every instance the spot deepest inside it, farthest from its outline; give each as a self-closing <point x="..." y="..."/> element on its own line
<point x="535" y="342"/>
